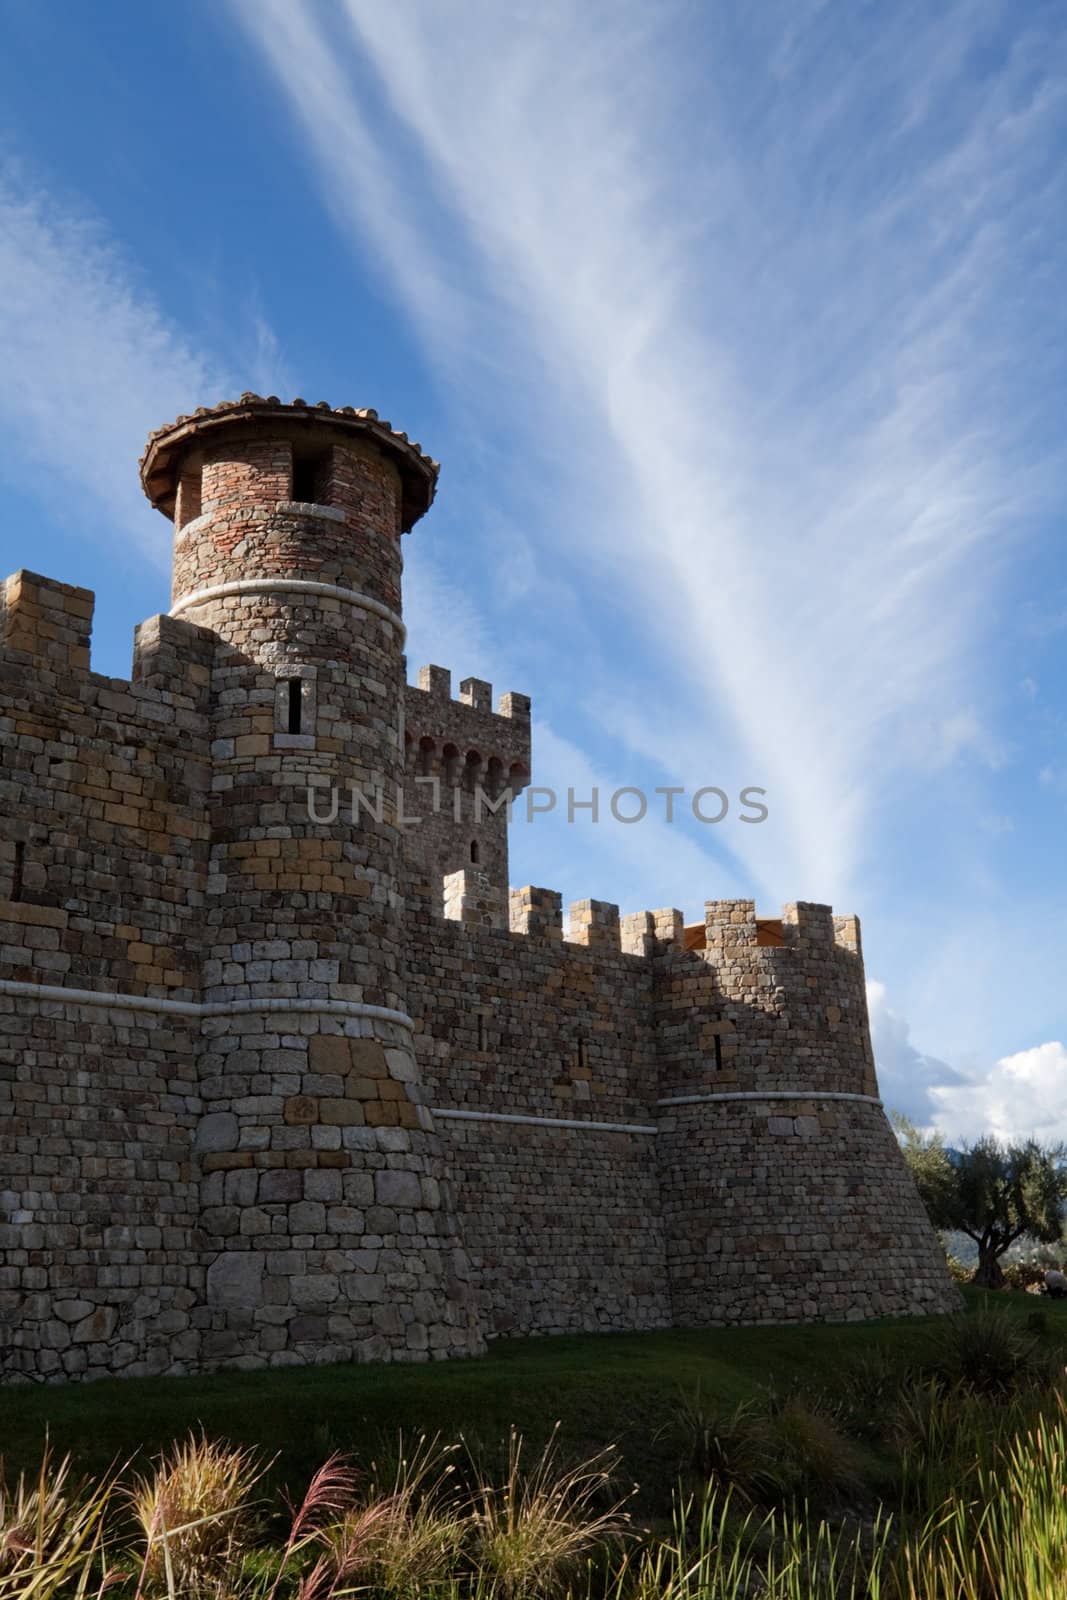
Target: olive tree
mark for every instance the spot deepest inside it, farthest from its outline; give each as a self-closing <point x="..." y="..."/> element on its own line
<point x="993" y="1192"/>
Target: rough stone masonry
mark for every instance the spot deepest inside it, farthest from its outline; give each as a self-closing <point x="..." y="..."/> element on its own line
<point x="282" y="1086"/>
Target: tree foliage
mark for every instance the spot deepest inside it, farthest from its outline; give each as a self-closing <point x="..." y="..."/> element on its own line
<point x="931" y="1166"/>
<point x="995" y="1193"/>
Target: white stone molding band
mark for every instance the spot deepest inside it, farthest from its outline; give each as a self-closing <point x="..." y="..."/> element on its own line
<point x="56" y="993"/>
<point x="637" y="1127"/>
<point x="541" y="1122"/>
<point x="246" y="587"/>
<point x="768" y="1094"/>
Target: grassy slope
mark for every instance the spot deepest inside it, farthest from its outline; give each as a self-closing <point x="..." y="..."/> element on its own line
<point x="611" y="1388"/>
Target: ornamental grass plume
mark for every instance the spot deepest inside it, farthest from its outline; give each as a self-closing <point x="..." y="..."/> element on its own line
<point x="194" y="1511"/>
<point x="405" y="1534"/>
<point x="531" y="1534"/>
<point x="52" y="1534"/>
<point x="329" y="1496"/>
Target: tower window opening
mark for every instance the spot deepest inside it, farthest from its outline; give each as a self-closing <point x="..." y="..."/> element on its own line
<point x="310" y="479"/>
<point x="481" y="1031"/>
<point x="189" y="496"/>
<point x="583" y="1055"/>
<point x="474" y="852"/>
<point x="450" y="759"/>
<point x="20" y="860"/>
<point x="718" y="1052"/>
<point x="296" y="705"/>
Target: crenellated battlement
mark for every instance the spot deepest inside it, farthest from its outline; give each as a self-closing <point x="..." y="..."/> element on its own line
<point x="538" y="913"/>
<point x="47" y="623"/>
<point x="173" y="657"/>
<point x="730" y="932"/>
<point x="733" y="926"/>
<point x="473" y="899"/>
<point x="463" y="741"/>
<point x="46" y="628"/>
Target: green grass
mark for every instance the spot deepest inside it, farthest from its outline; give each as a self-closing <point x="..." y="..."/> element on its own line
<point x="602" y="1389"/>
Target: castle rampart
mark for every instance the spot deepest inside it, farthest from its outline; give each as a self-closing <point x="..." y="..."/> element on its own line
<point x="279" y="1086"/>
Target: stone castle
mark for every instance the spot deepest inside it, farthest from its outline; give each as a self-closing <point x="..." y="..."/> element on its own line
<point x="284" y="1082"/>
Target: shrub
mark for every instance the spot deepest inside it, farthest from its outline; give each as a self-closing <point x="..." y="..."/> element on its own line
<point x="862" y="1400"/>
<point x="816" y="1462"/>
<point x="405" y="1534"/>
<point x="932" y="1426"/>
<point x="194" y="1513"/>
<point x="1025" y="1275"/>
<point x="730" y="1449"/>
<point x="989" y="1353"/>
<point x="768" y="1450"/>
<point x="531" y="1534"/>
<point x="958" y="1272"/>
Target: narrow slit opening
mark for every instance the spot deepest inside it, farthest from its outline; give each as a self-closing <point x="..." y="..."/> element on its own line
<point x="474" y="852"/>
<point x="582" y="1056"/>
<point x="20" y="859"/>
<point x="481" y="1031"/>
<point x="295" y="704"/>
<point x="718" y="1052"/>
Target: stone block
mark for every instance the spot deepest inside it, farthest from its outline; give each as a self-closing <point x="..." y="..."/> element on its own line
<point x="301" y="1109"/>
<point x="369" y="1059"/>
<point x="235" y="1279"/>
<point x="279" y="1187"/>
<point x="329" y="1053"/>
<point x="342" y="1113"/>
<point x="398" y="1189"/>
<point x="97" y="1327"/>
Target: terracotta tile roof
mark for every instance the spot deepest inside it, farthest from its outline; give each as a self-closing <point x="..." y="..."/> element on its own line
<point x="166" y="446"/>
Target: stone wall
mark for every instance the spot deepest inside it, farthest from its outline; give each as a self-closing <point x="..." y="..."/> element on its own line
<point x="100" y="1265"/>
<point x="282" y="1084"/>
<point x="103" y="864"/>
<point x="795" y="1210"/>
<point x="687" y="1136"/>
<point x="563" y="1226"/>
<point x="518" y="1034"/>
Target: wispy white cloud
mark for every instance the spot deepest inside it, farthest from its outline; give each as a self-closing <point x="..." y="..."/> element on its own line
<point x="748" y="322"/>
<point x="1053" y="778"/>
<point x="268" y="370"/>
<point x="90" y="363"/>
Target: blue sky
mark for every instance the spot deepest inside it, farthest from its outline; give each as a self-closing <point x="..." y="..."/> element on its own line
<point x="740" y="333"/>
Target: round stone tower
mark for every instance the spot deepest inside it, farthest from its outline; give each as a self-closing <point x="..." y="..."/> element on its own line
<point x="329" y="1224"/>
<point x="785" y="1195"/>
